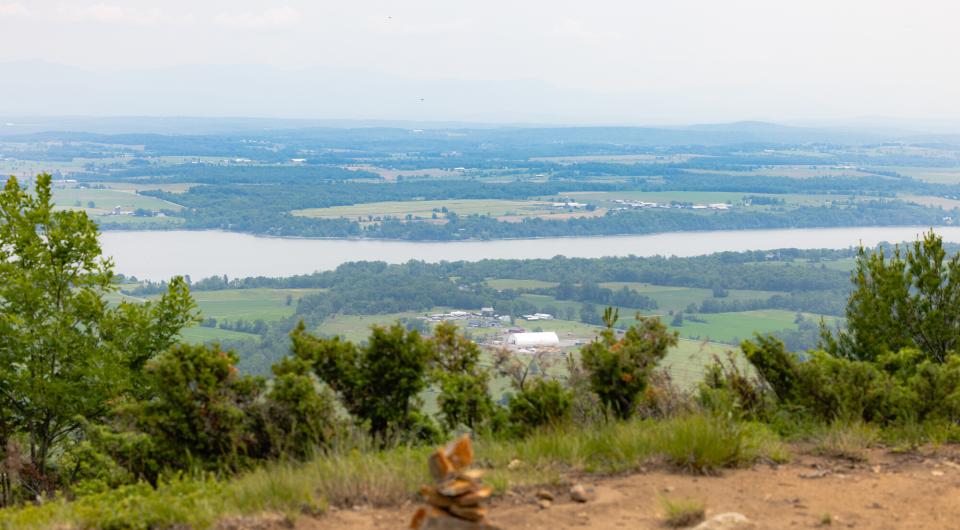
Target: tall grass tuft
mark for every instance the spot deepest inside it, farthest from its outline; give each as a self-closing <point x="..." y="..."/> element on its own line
<point x="701" y="444"/>
<point x="682" y="512"/>
<point x="849" y="440"/>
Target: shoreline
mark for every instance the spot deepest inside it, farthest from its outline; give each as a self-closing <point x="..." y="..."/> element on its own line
<point x="922" y="228"/>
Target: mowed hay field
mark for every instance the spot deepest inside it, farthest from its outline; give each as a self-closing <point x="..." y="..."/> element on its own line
<point x="936" y="175"/>
<point x="201" y="334"/>
<point x="426" y="209"/>
<point x="237" y="304"/>
<point x="605" y="199"/>
<point x="678" y="298"/>
<point x="175" y="187"/>
<point x="501" y="284"/>
<point x="250" y="304"/>
<point x="728" y="327"/>
<point x="106" y="200"/>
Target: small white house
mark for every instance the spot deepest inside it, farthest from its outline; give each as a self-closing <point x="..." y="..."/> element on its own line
<point x="543" y="339"/>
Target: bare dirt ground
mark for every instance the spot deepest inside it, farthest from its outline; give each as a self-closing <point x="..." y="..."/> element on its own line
<point x="887" y="491"/>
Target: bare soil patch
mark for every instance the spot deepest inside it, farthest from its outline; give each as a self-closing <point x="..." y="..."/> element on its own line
<point x="887" y="491"/>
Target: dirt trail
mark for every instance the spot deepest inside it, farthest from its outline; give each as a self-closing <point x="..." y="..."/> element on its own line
<point x="888" y="491"/>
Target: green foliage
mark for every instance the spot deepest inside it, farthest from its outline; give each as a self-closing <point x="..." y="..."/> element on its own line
<point x="464" y="397"/>
<point x="142" y="330"/>
<point x="197" y="414"/>
<point x="823" y="386"/>
<point x="728" y="389"/>
<point x="541" y="403"/>
<point x="619" y="368"/>
<point x="465" y="400"/>
<point x="65" y="352"/>
<point x="899" y="387"/>
<point x="775" y="364"/>
<point x="911" y="300"/>
<point x="377" y="382"/>
<point x="298" y="418"/>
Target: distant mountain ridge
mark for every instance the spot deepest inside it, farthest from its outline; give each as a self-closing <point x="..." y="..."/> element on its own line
<point x="40" y="96"/>
<point x="105" y="129"/>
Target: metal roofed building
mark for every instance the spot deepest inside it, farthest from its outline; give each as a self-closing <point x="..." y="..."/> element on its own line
<point x="543" y="339"/>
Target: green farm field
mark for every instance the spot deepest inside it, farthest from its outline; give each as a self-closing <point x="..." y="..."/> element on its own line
<point x="200" y="334"/>
<point x="687" y="362"/>
<point x="606" y="199"/>
<point x="356" y="328"/>
<point x="619" y="159"/>
<point x="508" y="283"/>
<point x="927" y="200"/>
<point x="726" y="327"/>
<point x="249" y="304"/>
<point x="936" y="175"/>
<point x="426" y="209"/>
<point x="793" y="171"/>
<point x="106" y="199"/>
<point x="107" y="222"/>
<point x="678" y="298"/>
<point x="133" y="186"/>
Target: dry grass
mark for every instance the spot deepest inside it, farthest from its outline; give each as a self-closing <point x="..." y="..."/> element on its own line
<point x="849" y="441"/>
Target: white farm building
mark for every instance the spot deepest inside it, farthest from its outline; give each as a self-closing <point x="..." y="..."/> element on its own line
<point x="544" y="339"/>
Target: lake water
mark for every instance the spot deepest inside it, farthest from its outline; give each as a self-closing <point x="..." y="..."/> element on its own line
<point x="161" y="254"/>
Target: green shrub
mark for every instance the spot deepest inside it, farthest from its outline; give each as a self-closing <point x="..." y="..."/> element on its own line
<point x="618" y="369"/>
<point x="378" y="382"/>
<point x="297" y="419"/>
<point x="727" y="389"/>
<point x="896" y="388"/>
<point x="911" y="300"/>
<point x="92" y="470"/>
<point x="196" y="413"/>
<point x="542" y="403"/>
<point x="464" y="397"/>
<point x="834" y="388"/>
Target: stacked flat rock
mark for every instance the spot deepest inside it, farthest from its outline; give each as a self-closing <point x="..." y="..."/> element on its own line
<point x="454" y="501"/>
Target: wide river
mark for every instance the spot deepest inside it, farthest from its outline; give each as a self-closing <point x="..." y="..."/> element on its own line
<point x="161" y="254"/>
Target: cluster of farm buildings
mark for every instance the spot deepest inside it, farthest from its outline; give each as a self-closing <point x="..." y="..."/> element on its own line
<point x="518" y="339"/>
<point x="629" y="204"/>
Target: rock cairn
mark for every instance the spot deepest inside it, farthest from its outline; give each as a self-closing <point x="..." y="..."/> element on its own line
<point x="454" y="501"/>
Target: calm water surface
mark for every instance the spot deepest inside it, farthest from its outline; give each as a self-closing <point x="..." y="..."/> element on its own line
<point x="162" y="254"/>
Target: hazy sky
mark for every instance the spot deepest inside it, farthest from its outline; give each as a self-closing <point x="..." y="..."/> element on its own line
<point x="665" y="61"/>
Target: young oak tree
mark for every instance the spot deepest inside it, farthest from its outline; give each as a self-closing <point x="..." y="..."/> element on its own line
<point x="65" y="352"/>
